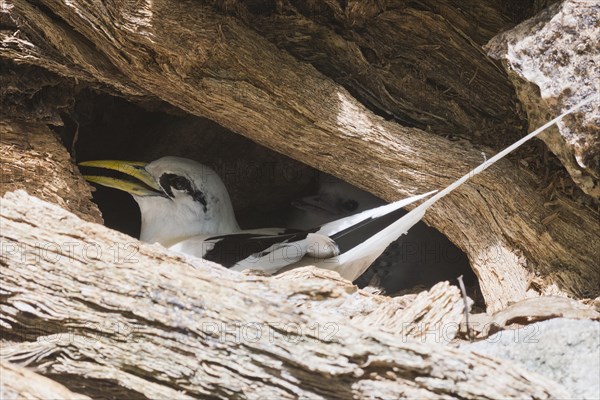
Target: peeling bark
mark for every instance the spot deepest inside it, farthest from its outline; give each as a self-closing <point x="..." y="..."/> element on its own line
<point x="154" y="324"/>
<point x="432" y="75"/>
<point x="530" y="311"/>
<point x="34" y="159"/>
<point x="21" y="383"/>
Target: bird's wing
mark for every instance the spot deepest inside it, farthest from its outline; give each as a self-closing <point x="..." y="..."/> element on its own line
<point x="328" y="246"/>
<point x="250" y="250"/>
<point x="363" y="237"/>
<point x="270" y="231"/>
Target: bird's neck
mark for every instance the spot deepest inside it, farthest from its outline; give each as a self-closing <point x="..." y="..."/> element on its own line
<point x="170" y="228"/>
<point x="226" y="223"/>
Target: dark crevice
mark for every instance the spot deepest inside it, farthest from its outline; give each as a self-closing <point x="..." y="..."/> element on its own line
<point x="101" y="389"/>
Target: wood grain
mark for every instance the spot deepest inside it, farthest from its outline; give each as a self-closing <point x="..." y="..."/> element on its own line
<point x="152" y="323"/>
<point x="212" y="65"/>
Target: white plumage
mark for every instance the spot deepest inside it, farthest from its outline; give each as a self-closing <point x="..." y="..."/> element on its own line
<point x="421" y="257"/>
<point x="185" y="206"/>
<point x="334" y="199"/>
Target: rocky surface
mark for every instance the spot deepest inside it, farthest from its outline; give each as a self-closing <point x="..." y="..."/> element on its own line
<point x="565" y="350"/>
<point x="552" y="60"/>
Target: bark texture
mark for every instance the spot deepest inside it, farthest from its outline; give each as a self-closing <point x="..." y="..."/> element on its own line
<point x="21" y="383"/>
<point x="209" y="64"/>
<point x="420" y="64"/>
<point x="152" y="324"/>
<point x="35" y="160"/>
<point x="529" y="311"/>
<point x="110" y="317"/>
<point x="552" y="60"/>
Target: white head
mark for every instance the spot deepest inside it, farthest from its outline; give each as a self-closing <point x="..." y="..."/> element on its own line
<point x="178" y="197"/>
<point x="335" y="199"/>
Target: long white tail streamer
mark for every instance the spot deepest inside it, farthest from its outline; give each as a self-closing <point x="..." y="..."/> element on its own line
<point x="501" y="154"/>
<point x="376" y="244"/>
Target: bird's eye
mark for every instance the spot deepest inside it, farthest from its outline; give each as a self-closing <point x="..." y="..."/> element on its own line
<point x="179" y="183"/>
<point x="350" y="205"/>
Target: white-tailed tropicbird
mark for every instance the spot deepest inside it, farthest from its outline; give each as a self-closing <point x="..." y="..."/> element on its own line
<point x="186" y="207"/>
<point x="334" y="199"/>
<point x="421" y="257"/>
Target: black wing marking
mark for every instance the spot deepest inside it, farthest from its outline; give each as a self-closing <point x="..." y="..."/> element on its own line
<point x="228" y="250"/>
<point x="356" y="234"/>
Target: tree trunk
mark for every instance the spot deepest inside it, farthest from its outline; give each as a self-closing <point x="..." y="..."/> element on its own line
<point x="212" y="65"/>
<point x="34" y="159"/>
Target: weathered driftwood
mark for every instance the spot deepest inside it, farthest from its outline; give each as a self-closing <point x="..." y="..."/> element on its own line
<point x="438" y="310"/>
<point x="77" y="303"/>
<point x="21" y="383"/>
<point x="209" y="64"/>
<point x="529" y="311"/>
<point x="552" y="60"/>
<point x="33" y="159"/>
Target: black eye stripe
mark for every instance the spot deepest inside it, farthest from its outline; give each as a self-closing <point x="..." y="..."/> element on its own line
<point x="180" y="183"/>
<point x="177" y="182"/>
<point x="172" y="181"/>
<point x="165" y="183"/>
<point x="199" y="197"/>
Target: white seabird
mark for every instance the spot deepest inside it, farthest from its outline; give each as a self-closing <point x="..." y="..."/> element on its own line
<point x="185" y="206"/>
<point x="421" y="257"/>
<point x="333" y="199"/>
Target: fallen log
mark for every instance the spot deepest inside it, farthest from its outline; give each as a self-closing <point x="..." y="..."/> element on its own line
<point x="80" y="301"/>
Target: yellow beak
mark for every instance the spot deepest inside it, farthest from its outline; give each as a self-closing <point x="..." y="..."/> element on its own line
<point x="129" y="176"/>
